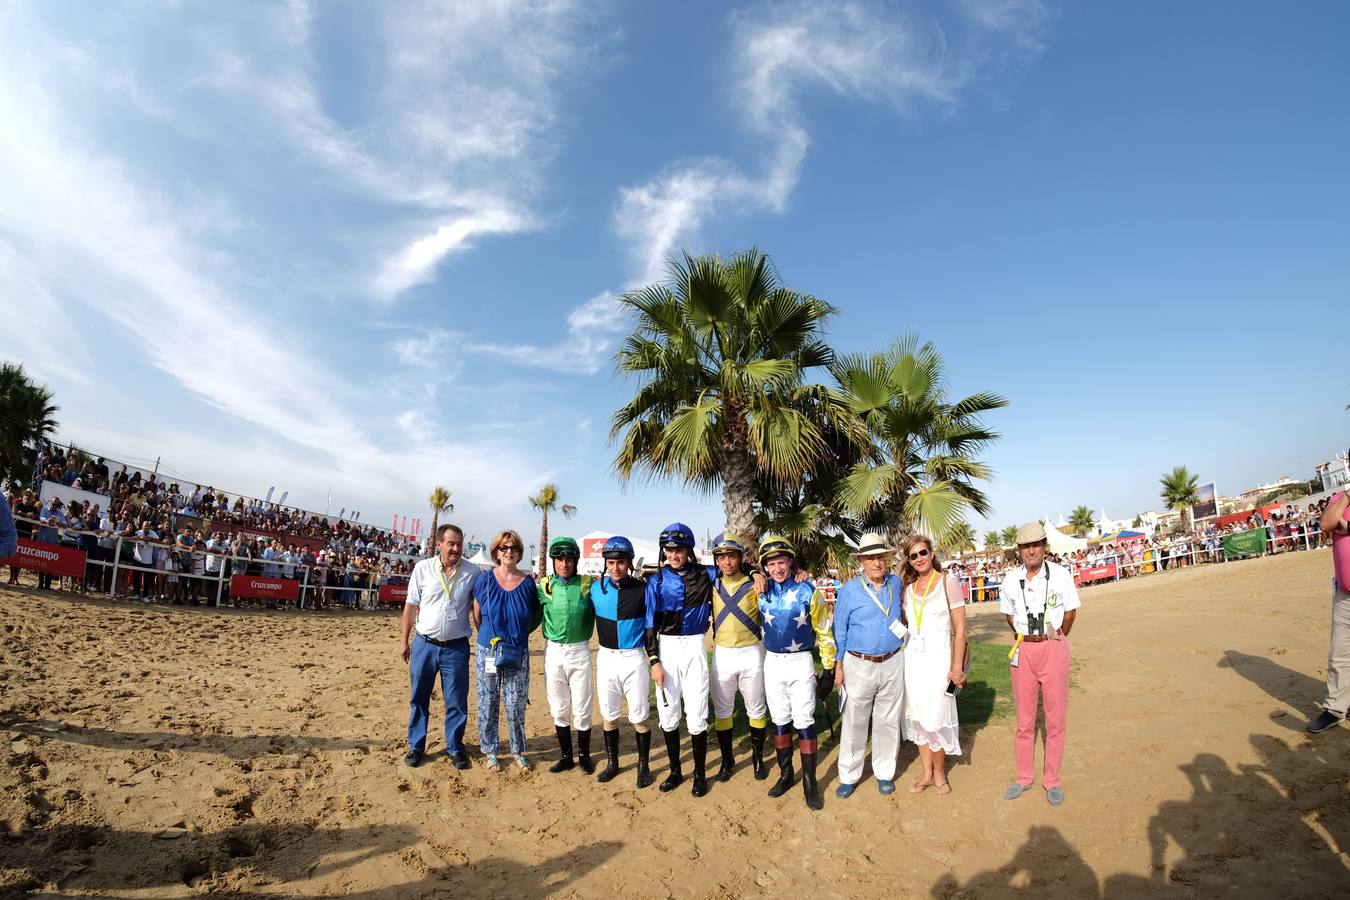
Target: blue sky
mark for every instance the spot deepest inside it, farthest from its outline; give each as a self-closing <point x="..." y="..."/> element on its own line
<point x="376" y="246"/>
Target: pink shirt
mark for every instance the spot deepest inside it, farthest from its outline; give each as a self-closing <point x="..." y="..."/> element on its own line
<point x="1340" y="550"/>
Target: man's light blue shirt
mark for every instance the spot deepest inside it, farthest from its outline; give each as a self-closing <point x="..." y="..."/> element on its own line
<point x="859" y="623"/>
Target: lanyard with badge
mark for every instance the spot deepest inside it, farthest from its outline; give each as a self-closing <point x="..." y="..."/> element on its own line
<point x="920" y="605"/>
<point x="896" y="628"/>
<point x="454" y="575"/>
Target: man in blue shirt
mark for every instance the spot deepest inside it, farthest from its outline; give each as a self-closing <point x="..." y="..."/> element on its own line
<point x="869" y="630"/>
<point x="9" y="535"/>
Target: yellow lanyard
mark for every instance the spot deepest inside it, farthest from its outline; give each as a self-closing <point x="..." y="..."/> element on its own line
<point x="921" y="601"/>
<point x="440" y="570"/>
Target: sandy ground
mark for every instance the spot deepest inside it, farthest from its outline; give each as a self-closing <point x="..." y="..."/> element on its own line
<point x="153" y="752"/>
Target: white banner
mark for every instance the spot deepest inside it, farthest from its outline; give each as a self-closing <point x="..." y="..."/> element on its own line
<point x="52" y="489"/>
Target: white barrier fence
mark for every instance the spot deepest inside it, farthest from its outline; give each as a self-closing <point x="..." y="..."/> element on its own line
<point x="111" y="570"/>
<point x="346" y="588"/>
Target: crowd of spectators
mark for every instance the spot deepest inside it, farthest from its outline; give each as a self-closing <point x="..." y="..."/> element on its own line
<point x="177" y="543"/>
<point x="1289" y="528"/>
<point x="134" y="492"/>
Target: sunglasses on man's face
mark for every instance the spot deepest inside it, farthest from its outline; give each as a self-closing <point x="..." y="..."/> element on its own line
<point x="919" y="554"/>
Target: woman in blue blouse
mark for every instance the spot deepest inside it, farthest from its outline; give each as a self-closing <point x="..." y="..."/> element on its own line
<point x="505" y="609"/>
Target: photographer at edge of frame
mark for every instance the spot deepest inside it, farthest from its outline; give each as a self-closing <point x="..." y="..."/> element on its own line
<point x="1336" y="522"/>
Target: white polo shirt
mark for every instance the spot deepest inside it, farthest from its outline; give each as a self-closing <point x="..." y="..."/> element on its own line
<point x="445" y="618"/>
<point x="1052" y="592"/>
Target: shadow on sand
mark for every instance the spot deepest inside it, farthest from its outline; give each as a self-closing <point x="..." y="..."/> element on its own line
<point x="236" y="862"/>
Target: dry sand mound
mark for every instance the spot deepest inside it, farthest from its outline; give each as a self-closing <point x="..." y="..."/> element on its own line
<point x="154" y="752"/>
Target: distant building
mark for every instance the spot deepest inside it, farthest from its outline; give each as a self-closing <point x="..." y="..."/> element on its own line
<point x="1335" y="474"/>
<point x="1252" y="495"/>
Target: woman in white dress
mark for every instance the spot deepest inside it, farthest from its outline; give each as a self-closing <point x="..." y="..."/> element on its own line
<point x="934" y="656"/>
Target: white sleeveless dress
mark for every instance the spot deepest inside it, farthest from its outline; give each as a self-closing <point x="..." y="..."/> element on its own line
<point x="928" y="714"/>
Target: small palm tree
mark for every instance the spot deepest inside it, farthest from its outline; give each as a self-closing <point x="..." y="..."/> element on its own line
<point x="1082" y="521"/>
<point x="546" y="501"/>
<point x="993" y="540"/>
<point x="722" y="350"/>
<point x="1009" y="536"/>
<point x="26" y="418"/>
<point x="1180" y="489"/>
<point x="440" y="503"/>
<point x="960" y="538"/>
<point x="924" y="466"/>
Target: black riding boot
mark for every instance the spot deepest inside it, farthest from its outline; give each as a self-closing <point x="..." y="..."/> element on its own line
<point x="700" y="742"/>
<point x="611" y="756"/>
<point x="584" y="751"/>
<point x="565" y="760"/>
<point x="757" y="754"/>
<point x="644" y="745"/>
<point x="785" y="773"/>
<point x="809" y="786"/>
<point x="728" y="763"/>
<point x="676" y="776"/>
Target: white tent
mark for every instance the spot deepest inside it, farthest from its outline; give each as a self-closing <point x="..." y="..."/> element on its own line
<point x="481" y="559"/>
<point x="1063" y="543"/>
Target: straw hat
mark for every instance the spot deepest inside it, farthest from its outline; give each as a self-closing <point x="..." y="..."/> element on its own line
<point x="872" y="543"/>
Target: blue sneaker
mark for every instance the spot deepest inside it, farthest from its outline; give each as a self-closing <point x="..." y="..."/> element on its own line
<point x="886" y="787"/>
<point x="1055" y="796"/>
<point x="844" y="791"/>
<point x="1015" y="790"/>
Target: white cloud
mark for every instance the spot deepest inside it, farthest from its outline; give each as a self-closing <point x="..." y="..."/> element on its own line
<point x="591" y="329"/>
<point x="37" y="331"/>
<point x="417" y="263"/>
<point x="112" y="241"/>
<point x="779" y="53"/>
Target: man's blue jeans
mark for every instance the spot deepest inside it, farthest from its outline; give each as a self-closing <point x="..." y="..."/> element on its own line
<point x="452" y="663"/>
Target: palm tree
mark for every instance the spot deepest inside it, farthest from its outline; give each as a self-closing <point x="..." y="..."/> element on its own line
<point x="546" y="501"/>
<point x="721" y="350"/>
<point x="958" y="539"/>
<point x="1082" y="521"/>
<point x="440" y="503"/>
<point x="26" y="417"/>
<point x="993" y="540"/>
<point x="1180" y="489"/>
<point x="922" y="468"/>
<point x="1009" y="536"/>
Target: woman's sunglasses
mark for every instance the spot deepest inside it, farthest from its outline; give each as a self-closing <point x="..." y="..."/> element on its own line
<point x="919" y="554"/>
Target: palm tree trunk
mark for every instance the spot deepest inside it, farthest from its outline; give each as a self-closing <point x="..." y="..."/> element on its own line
<point x="896" y="520"/>
<point x="543" y="544"/>
<point x="738" y="491"/>
<point x="431" y="538"/>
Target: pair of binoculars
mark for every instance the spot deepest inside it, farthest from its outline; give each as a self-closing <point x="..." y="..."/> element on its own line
<point x="1035" y="623"/>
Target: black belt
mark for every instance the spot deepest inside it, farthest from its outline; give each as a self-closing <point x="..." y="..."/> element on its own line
<point x="450" y="643"/>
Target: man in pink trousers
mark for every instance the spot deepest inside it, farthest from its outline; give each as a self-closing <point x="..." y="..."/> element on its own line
<point x="1039" y="600"/>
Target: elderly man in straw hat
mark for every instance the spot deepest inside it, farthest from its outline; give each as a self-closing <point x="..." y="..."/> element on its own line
<point x="869" y="631"/>
<point x="1039" y="600"/>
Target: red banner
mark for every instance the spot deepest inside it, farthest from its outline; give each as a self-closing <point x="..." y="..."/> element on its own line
<point x="393" y="593"/>
<point x="257" y="587"/>
<point x="591" y="547"/>
<point x="51" y="558"/>
<point x="1096" y="573"/>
